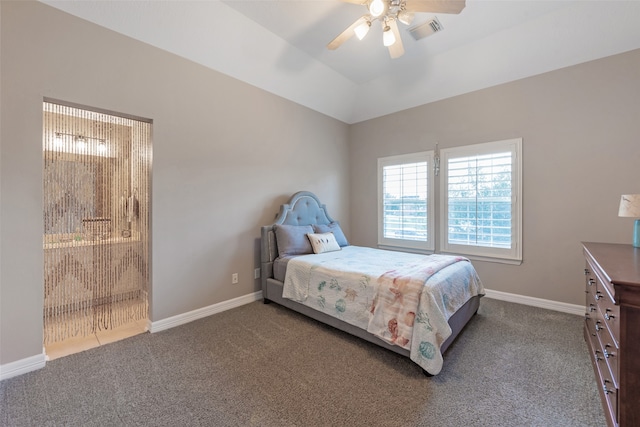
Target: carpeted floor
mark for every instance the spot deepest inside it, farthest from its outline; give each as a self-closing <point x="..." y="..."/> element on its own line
<point x="264" y="365"/>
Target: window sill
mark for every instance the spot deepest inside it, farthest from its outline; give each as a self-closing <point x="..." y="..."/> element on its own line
<point x="470" y="257"/>
<point x="487" y="258"/>
<point x="405" y="249"/>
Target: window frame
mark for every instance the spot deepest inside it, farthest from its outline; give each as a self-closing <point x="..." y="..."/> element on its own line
<point x="413" y="245"/>
<point x="508" y="255"/>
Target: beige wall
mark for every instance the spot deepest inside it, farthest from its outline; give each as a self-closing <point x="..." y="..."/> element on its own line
<point x="581" y="142"/>
<point x="225" y="156"/>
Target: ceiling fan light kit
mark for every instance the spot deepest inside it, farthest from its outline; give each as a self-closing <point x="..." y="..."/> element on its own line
<point x="377" y="7"/>
<point x="388" y="39"/>
<point x="362" y="29"/>
<point x="389" y="13"/>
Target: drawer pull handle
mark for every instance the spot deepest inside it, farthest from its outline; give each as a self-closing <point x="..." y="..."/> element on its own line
<point x="609" y="316"/>
<point x="592" y="308"/>
<point x="597" y="296"/>
<point x="597" y="357"/>
<point x="606" y="390"/>
<point x="606" y="352"/>
<point x="599" y="327"/>
<point x="591" y="282"/>
<point x="586" y="271"/>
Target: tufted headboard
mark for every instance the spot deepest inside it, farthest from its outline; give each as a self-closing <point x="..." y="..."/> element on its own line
<point x="304" y="208"/>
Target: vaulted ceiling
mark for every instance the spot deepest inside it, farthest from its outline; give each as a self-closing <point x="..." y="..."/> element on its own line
<point x="280" y="45"/>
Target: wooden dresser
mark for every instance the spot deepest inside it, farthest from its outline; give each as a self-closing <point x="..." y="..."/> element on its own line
<point x="612" y="328"/>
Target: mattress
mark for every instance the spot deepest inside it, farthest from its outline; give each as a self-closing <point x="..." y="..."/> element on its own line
<point x="280" y="267"/>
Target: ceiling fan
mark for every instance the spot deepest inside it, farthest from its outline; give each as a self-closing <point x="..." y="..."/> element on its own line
<point x="389" y="12"/>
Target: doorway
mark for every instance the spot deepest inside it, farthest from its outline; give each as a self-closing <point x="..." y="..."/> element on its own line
<point x="96" y="169"/>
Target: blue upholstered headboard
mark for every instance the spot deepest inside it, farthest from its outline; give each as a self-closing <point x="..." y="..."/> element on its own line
<point x="303" y="208"/>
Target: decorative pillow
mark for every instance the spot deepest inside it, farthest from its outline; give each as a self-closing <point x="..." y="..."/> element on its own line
<point x="334" y="227"/>
<point x="292" y="239"/>
<point x="325" y="242"/>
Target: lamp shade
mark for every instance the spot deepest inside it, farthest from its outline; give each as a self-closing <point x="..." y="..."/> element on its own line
<point x="630" y="206"/>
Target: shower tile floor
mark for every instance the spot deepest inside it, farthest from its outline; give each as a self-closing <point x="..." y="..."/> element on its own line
<point x="78" y="344"/>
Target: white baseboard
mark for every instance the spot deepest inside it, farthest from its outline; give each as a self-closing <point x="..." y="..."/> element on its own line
<point x="536" y="302"/>
<point x="190" y="316"/>
<point x="22" y="366"/>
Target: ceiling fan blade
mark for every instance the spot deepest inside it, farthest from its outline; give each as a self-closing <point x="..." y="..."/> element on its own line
<point x="396" y="50"/>
<point x="346" y="34"/>
<point x="435" y="6"/>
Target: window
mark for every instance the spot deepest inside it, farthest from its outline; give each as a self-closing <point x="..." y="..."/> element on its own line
<point x="480" y="202"/>
<point x="480" y="207"/>
<point x="405" y="201"/>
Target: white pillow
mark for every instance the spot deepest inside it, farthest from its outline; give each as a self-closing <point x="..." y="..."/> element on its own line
<point x="323" y="242"/>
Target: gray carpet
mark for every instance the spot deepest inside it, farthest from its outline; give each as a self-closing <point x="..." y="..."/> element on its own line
<point x="264" y="365"/>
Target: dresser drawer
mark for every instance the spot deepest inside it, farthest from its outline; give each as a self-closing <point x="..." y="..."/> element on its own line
<point x="600" y="292"/>
<point x="608" y="350"/>
<point x="610" y="395"/>
<point x="610" y="316"/>
<point x="606" y="386"/>
<point x="590" y="323"/>
<point x="590" y="306"/>
<point x="594" y="289"/>
<point x="599" y="278"/>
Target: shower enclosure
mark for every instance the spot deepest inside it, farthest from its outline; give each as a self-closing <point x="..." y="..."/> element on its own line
<point x="96" y="169"/>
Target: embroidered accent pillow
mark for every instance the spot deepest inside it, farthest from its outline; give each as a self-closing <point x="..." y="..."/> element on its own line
<point x="324" y="242"/>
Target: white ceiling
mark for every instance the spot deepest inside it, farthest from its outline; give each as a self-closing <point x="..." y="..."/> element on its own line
<point x="279" y="45"/>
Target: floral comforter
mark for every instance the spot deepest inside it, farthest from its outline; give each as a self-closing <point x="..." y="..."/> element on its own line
<point x="405" y="299"/>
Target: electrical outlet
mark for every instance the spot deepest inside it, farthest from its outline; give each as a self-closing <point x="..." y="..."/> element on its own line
<point x="234" y="278"/>
<point x="256" y="273"/>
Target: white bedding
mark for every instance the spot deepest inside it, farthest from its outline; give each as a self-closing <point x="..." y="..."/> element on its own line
<point x="344" y="284"/>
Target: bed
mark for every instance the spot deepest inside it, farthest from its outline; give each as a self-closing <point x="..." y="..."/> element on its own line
<point x="414" y="305"/>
